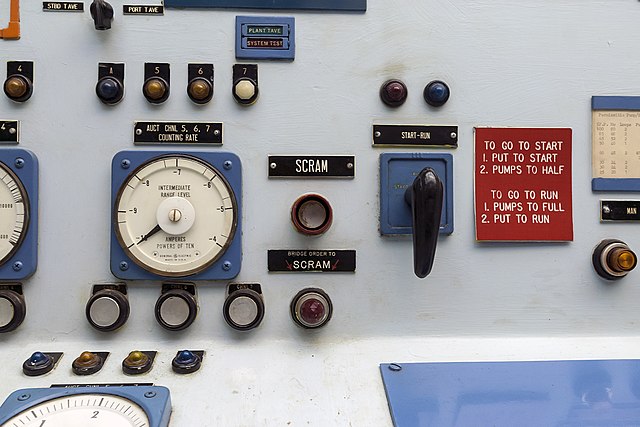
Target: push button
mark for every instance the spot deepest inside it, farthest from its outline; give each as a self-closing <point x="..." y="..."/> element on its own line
<point x="156" y="90"/>
<point x="393" y="93"/>
<point x="244" y="307"/>
<point x="177" y="308"/>
<point x="613" y="259"/>
<point x="245" y="83"/>
<point x="436" y="93"/>
<point x="108" y="309"/>
<point x="200" y="90"/>
<point x="12" y="310"/>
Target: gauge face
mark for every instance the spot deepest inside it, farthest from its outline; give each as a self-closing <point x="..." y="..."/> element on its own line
<point x="82" y="410"/>
<point x="175" y="215"/>
<point x="14" y="209"/>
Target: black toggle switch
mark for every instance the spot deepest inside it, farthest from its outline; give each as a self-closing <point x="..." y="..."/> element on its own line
<point x="102" y="14"/>
<point x="425" y="196"/>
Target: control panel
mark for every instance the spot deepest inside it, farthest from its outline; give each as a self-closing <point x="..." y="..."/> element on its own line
<point x="222" y="212"/>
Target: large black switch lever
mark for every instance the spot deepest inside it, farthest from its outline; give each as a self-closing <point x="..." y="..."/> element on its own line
<point x="425" y="197"/>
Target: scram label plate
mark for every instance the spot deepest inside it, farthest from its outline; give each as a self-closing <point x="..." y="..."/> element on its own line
<point x="312" y="166"/>
<point x="311" y="261"/>
<point x="335" y="5"/>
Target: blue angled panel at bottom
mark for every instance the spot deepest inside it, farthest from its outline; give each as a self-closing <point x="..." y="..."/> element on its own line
<point x="507" y="394"/>
<point x="342" y="5"/>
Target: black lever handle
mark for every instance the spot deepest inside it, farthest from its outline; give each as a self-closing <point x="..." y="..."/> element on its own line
<point x="425" y="197"/>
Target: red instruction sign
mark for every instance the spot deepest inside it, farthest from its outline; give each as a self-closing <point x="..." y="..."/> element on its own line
<point x="523" y="184"/>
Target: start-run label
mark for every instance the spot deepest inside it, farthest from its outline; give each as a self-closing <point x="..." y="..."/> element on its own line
<point x="523" y="184"/>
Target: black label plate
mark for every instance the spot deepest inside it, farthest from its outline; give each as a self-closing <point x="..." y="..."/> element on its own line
<point x="312" y="166"/>
<point x="177" y="133"/>
<point x="141" y="9"/>
<point x="311" y="261"/>
<point x="620" y="210"/>
<point x="63" y="6"/>
<point x="9" y="131"/>
<point x="415" y="136"/>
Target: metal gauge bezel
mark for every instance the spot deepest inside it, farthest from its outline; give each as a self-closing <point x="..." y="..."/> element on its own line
<point x="27" y="217"/>
<point x="155" y="401"/>
<point x="22" y="260"/>
<point x="226" y="264"/>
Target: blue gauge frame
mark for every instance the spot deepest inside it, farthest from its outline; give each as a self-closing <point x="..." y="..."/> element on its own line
<point x="24" y="261"/>
<point x="233" y="175"/>
<point x="155" y="401"/>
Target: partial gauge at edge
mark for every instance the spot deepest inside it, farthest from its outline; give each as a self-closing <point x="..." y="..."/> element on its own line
<point x="18" y="213"/>
<point x="176" y="215"/>
<point x="81" y="406"/>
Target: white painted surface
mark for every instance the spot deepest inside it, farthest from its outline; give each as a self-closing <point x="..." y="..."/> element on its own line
<point x="508" y="64"/>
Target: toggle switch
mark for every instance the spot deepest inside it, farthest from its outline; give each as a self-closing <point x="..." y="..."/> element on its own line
<point x="187" y="361"/>
<point x="88" y="363"/>
<point x="200" y="86"/>
<point x="19" y="84"/>
<point x="245" y="83"/>
<point x="416" y="197"/>
<point x="613" y="259"/>
<point x="13" y="308"/>
<point x="311" y="214"/>
<point x="156" y="87"/>
<point x="102" y="14"/>
<point x="177" y="307"/>
<point x="244" y="306"/>
<point x="110" y="86"/>
<point x="436" y="93"/>
<point x="311" y="308"/>
<point x="108" y="308"/>
<point x="393" y="93"/>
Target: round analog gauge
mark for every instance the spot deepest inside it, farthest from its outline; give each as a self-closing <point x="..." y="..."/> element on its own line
<point x="14" y="213"/>
<point x="82" y="410"/>
<point x="175" y="215"/>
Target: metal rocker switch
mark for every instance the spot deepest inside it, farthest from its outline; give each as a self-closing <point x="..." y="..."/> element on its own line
<point x="425" y="197"/>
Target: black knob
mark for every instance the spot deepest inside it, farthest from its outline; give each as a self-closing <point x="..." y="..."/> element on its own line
<point x="176" y="309"/>
<point x="102" y="14"/>
<point x="425" y="196"/>
<point x="12" y="310"/>
<point x="109" y="90"/>
<point x="107" y="310"/>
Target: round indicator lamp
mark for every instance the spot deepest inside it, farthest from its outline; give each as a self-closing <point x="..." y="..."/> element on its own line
<point x="200" y="90"/>
<point x="87" y="363"/>
<point x="137" y="362"/>
<point x="393" y="93"/>
<point x="175" y="215"/>
<point x="613" y="259"/>
<point x="18" y="88"/>
<point x="109" y="90"/>
<point x="436" y="93"/>
<point x="311" y="308"/>
<point x="156" y="90"/>
<point x="245" y="91"/>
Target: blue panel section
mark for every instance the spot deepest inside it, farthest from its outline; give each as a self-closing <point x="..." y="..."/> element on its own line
<point x="286" y="35"/>
<point x="337" y="5"/>
<point x="615" y="184"/>
<point x="233" y="253"/>
<point x="615" y="102"/>
<point x="24" y="261"/>
<point x="507" y="394"/>
<point x="154" y="400"/>
<point x="397" y="172"/>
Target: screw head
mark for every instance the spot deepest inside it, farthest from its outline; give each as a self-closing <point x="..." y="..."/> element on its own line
<point x="349" y="165"/>
<point x="19" y="162"/>
<point x="228" y="164"/>
<point x="395" y="367"/>
<point x="226" y="266"/>
<point x="124" y="265"/>
<point x="216" y="132"/>
<point x="454" y="135"/>
<point x="12" y="131"/>
<point x="138" y="131"/>
<point x="150" y="394"/>
<point x="378" y="134"/>
<point x="273" y="166"/>
<point x="17" y="266"/>
<point x="125" y="164"/>
<point x="24" y="397"/>
<point x="606" y="209"/>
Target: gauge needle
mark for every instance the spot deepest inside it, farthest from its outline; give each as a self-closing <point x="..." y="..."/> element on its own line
<point x="153" y="231"/>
